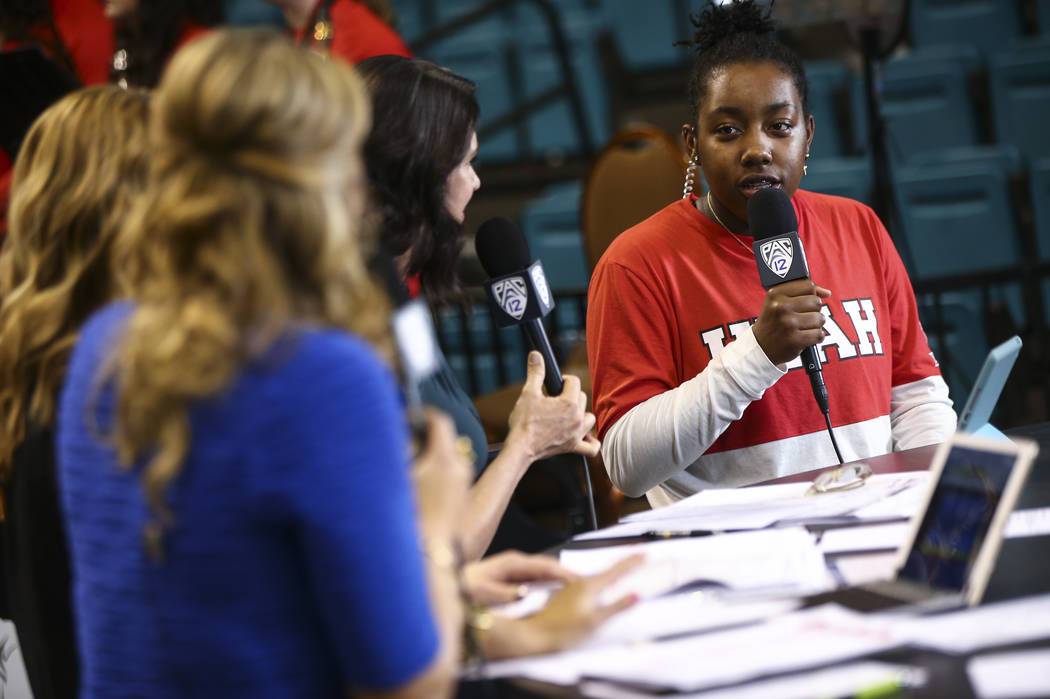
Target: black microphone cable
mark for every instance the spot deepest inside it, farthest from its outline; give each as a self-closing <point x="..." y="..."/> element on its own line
<point x="831" y="433"/>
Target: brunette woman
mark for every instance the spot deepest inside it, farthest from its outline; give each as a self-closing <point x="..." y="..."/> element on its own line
<point x="420" y="157"/>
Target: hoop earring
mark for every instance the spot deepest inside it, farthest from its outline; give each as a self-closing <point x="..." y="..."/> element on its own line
<point x="805" y="166"/>
<point x="690" y="176"/>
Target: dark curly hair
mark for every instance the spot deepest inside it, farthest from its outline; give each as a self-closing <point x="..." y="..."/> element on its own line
<point x="422" y="118"/>
<point x="152" y="31"/>
<point x="32" y="21"/>
<point x="735" y="32"/>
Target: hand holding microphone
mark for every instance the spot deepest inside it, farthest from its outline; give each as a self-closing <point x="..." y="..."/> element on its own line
<point x="790" y="320"/>
<point x="549" y="425"/>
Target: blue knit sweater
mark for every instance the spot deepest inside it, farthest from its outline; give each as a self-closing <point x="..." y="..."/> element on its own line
<point x="293" y="569"/>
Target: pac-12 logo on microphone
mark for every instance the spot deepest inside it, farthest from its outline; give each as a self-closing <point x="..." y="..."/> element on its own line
<point x="541" y="285"/>
<point x="777" y="255"/>
<point x="512" y="296"/>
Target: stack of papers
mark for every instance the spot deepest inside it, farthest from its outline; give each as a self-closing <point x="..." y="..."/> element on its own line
<point x="866" y="678"/>
<point x="1012" y="675"/>
<point x="775" y="643"/>
<point x="784" y="559"/>
<point x="986" y="626"/>
<point x="786" y="643"/>
<point x="884" y="537"/>
<point x="891" y="495"/>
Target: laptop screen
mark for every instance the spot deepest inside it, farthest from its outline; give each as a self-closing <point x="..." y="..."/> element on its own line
<point x="958" y="517"/>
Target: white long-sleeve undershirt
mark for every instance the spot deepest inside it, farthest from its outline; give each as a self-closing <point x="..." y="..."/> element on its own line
<point x="658" y="446"/>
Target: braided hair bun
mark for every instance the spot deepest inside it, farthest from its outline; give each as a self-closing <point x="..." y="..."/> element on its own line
<point x="716" y="23"/>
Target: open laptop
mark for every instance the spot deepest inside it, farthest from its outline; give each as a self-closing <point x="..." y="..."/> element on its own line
<point x="986" y="389"/>
<point x="954" y="537"/>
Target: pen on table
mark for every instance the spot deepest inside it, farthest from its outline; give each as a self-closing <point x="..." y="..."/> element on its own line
<point x="672" y="534"/>
<point x="651" y="535"/>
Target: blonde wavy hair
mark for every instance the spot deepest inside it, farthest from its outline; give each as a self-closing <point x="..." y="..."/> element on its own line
<point x="79" y="165"/>
<point x="249" y="228"/>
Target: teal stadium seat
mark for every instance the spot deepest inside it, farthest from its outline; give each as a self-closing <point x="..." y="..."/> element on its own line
<point x="987" y="25"/>
<point x="958" y="220"/>
<point x="552" y="227"/>
<point x="1020" y="88"/>
<point x="1004" y="157"/>
<point x="410" y="23"/>
<point x="477" y="53"/>
<point x="843" y="177"/>
<point x="552" y="131"/>
<point x="645" y="32"/>
<point x="828" y="84"/>
<point x="926" y="102"/>
<point x="958" y="217"/>
<point x="1039" y="183"/>
<point x="488" y="375"/>
<point x="253" y="13"/>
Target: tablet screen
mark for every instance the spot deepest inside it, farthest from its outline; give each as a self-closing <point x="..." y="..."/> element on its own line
<point x="958" y="517"/>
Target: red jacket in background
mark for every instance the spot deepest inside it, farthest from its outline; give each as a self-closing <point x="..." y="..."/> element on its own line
<point x="356" y="33"/>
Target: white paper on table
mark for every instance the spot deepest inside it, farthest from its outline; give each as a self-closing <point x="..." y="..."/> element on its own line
<point x="690" y="612"/>
<point x="842" y="681"/>
<point x="728" y="509"/>
<point x="902" y="504"/>
<point x="1010" y="675"/>
<point x="660" y="617"/>
<point x="769" y="559"/>
<point x="885" y="537"/>
<point x="1023" y="523"/>
<point x="986" y="626"/>
<point x="796" y="641"/>
<point x="873" y="537"/>
<point x="752" y="495"/>
<point x="868" y="567"/>
<point x="620" y="530"/>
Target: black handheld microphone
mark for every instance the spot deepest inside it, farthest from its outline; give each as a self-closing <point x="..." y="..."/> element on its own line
<point x="517" y="291"/>
<point x="781" y="258"/>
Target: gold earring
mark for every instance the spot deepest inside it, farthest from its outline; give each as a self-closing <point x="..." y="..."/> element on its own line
<point x="805" y="166"/>
<point x="690" y="175"/>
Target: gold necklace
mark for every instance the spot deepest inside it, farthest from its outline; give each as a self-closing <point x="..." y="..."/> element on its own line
<point x="711" y="208"/>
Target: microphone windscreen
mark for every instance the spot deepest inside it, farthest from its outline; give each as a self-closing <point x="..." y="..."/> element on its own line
<point x="770" y="213"/>
<point x="501" y="247"/>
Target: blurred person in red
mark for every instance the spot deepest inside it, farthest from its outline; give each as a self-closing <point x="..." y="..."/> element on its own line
<point x="74" y="33"/>
<point x="147" y="32"/>
<point x="352" y="30"/>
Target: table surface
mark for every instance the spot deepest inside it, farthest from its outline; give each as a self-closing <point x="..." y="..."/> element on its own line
<point x="1023" y="568"/>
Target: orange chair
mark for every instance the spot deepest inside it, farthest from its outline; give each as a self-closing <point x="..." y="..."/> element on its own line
<point x="638" y="173"/>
